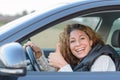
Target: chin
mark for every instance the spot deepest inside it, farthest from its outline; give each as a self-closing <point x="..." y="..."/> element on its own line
<point x="81" y="56"/>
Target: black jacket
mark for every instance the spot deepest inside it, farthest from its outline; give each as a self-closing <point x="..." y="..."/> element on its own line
<point x="98" y="50"/>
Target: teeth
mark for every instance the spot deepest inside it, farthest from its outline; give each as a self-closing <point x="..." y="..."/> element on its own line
<point x="79" y="49"/>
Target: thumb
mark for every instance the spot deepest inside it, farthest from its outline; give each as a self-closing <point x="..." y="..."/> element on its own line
<point x="58" y="48"/>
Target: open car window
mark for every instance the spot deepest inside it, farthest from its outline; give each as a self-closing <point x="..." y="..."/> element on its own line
<point x="115" y="26"/>
<point x="49" y="37"/>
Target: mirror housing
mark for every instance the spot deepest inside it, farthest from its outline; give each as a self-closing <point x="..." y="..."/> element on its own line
<point x="12" y="60"/>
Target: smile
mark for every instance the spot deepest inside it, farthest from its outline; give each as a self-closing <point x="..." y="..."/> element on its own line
<point x="80" y="49"/>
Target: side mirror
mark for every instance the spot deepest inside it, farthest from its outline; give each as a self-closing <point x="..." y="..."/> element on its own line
<point x="12" y="60"/>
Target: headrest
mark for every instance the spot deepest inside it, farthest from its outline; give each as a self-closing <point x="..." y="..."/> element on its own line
<point x="115" y="41"/>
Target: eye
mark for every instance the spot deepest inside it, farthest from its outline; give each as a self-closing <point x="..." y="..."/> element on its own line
<point x="72" y="41"/>
<point x="82" y="38"/>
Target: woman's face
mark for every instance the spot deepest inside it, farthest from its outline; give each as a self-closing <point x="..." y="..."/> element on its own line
<point x="80" y="44"/>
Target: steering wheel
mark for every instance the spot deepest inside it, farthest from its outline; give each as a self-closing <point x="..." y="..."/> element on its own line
<point x="31" y="56"/>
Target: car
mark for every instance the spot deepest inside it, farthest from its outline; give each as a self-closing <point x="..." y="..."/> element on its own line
<point x="43" y="27"/>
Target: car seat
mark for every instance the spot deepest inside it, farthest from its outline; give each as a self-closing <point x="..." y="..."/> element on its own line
<point x="115" y="41"/>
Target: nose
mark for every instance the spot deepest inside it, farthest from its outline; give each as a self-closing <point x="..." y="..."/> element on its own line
<point x="77" y="43"/>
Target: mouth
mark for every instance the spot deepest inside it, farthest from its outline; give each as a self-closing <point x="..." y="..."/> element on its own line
<point x="79" y="50"/>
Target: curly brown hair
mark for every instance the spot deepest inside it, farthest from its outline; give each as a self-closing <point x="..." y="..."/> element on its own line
<point x="65" y="43"/>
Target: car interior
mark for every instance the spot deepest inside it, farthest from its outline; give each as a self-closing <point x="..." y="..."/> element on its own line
<point x="105" y="21"/>
<point x="115" y="41"/>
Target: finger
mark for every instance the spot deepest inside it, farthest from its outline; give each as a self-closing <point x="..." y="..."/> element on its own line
<point x="24" y="46"/>
<point x="29" y="43"/>
<point x="58" y="48"/>
<point x="50" y="63"/>
<point x="50" y="55"/>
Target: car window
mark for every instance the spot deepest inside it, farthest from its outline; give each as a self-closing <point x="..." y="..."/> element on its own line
<point x="49" y="37"/>
<point x="115" y="26"/>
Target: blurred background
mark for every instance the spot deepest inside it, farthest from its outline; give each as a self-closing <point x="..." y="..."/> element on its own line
<point x="13" y="9"/>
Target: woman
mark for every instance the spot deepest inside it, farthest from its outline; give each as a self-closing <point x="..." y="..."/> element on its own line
<point x="79" y="49"/>
<point x="83" y="50"/>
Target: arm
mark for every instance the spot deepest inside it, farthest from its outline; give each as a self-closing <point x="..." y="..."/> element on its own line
<point x="43" y="63"/>
<point x="41" y="60"/>
<point x="66" y="68"/>
<point x="103" y="63"/>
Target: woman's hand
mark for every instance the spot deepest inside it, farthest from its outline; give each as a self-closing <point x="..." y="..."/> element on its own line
<point x="56" y="59"/>
<point x="35" y="48"/>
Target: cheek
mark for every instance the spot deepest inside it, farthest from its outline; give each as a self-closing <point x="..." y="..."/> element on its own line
<point x="71" y="47"/>
<point x="89" y="45"/>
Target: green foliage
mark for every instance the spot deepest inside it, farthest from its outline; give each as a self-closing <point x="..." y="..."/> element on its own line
<point x="1" y="24"/>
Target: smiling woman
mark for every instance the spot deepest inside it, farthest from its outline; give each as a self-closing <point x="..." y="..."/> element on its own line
<point x="101" y="15"/>
<point x="83" y="49"/>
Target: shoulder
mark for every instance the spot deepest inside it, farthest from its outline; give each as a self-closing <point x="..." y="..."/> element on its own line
<point x="103" y="63"/>
<point x="104" y="59"/>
